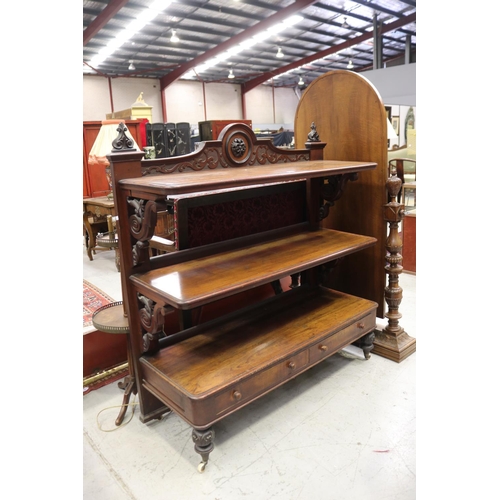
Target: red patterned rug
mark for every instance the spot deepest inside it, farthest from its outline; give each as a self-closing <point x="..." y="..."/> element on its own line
<point x="93" y="299"/>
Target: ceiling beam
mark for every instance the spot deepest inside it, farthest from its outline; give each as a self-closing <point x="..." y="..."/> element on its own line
<point x="251" y="84"/>
<point x="292" y="9"/>
<point x="102" y="19"/>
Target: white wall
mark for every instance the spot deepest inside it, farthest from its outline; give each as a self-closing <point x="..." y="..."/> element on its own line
<point x="97" y="95"/>
<point x="286" y="102"/>
<point x="185" y="100"/>
<point x="223" y="101"/>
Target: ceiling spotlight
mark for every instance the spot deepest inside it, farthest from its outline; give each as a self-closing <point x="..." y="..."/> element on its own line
<point x="174" y="38"/>
<point x="231" y="75"/>
<point x="350" y="64"/>
<point x="344" y="24"/>
<point x="279" y="53"/>
<point x="301" y="82"/>
<point x="131" y="65"/>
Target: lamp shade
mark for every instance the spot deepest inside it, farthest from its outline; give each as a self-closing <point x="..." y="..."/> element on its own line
<point x="103" y="143"/>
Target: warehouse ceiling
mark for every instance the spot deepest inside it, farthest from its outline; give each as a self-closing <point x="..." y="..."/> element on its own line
<point x="236" y="41"/>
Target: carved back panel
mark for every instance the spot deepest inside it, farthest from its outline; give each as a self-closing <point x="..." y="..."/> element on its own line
<point x="237" y="146"/>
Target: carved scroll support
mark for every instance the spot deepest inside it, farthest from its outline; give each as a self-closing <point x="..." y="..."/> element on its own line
<point x="393" y="342"/>
<point x="333" y="190"/>
<point x="152" y="317"/>
<point x="142" y="226"/>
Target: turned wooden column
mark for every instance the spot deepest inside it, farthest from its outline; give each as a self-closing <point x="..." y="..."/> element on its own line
<point x="393" y="342"/>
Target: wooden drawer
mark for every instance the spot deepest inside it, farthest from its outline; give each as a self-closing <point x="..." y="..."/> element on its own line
<point x="248" y="390"/>
<point x="340" y="339"/>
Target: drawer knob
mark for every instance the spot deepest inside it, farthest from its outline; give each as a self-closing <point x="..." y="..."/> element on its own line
<point x="361" y="324"/>
<point x="291" y="365"/>
<point x="236" y="394"/>
<point x="323" y="348"/>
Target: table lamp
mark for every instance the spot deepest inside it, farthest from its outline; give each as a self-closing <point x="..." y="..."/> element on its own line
<point x="103" y="145"/>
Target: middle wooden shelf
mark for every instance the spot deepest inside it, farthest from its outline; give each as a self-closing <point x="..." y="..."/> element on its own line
<point x="199" y="281"/>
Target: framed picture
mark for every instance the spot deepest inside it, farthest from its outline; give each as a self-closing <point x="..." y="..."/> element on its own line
<point x="395" y="124"/>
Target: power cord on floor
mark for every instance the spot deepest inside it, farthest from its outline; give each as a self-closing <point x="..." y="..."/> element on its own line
<point x="133" y="404"/>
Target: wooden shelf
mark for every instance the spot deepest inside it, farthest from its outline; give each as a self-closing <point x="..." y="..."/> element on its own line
<point x="199" y="281"/>
<point x="229" y="362"/>
<point x="186" y="182"/>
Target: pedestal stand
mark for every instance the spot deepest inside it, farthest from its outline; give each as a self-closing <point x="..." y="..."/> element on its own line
<point x="393" y="342"/>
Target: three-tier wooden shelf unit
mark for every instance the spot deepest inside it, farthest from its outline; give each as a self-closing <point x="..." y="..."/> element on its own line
<point x="251" y="252"/>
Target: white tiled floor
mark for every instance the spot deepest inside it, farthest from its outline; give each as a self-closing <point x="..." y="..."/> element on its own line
<point x="344" y="430"/>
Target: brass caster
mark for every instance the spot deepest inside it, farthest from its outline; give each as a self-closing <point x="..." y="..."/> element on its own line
<point x="201" y="467"/>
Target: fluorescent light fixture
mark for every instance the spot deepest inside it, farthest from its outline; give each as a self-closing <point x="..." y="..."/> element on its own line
<point x="212" y="62"/>
<point x="290" y="21"/>
<point x="223" y="57"/>
<point x="248" y="43"/>
<point x="202" y="67"/>
<point x="261" y="37"/>
<point x="160" y="5"/>
<point x="278" y="28"/>
<point x="235" y="50"/>
<point x="136" y="25"/>
<point x="147" y="15"/>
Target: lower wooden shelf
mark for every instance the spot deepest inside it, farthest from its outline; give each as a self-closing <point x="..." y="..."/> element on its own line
<point x="229" y="362"/>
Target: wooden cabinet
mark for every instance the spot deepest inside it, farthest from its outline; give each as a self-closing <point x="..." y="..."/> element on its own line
<point x="409" y="238"/>
<point x="95" y="182"/>
<point x="207" y="370"/>
<point x="210" y="130"/>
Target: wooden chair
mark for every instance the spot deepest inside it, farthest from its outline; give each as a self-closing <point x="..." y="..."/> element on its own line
<point x="406" y="170"/>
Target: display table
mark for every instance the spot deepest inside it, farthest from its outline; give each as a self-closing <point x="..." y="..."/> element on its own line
<point x="110" y="240"/>
<point x="111" y="319"/>
<point x="95" y="213"/>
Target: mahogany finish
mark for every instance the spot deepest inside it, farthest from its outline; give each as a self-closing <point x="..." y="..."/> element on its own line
<point x="223" y="365"/>
<point x="200" y="281"/>
<point x="350" y="117"/>
<point x="207" y="371"/>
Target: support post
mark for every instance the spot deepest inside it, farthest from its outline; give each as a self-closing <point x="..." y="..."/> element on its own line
<point x="393" y="342"/>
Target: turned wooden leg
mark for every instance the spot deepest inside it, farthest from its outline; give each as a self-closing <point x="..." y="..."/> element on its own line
<point x="295" y="280"/>
<point x="204" y="445"/>
<point x="366" y="344"/>
<point x="117" y="259"/>
<point x="277" y="287"/>
<point x="130" y="388"/>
